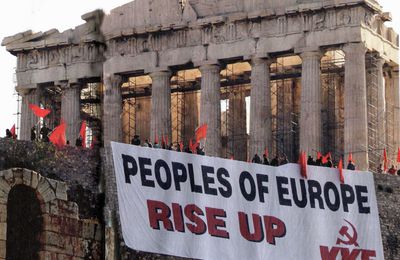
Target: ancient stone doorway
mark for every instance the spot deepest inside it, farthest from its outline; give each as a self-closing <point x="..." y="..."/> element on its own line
<point x="24" y="224"/>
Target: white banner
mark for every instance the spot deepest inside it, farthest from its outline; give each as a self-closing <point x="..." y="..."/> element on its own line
<point x="210" y="208"/>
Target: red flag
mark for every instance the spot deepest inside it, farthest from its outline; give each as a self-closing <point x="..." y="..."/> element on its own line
<point x="319" y="155"/>
<point x="82" y="133"/>
<point x="350" y="159"/>
<point x="398" y="155"/>
<point x="93" y="142"/>
<point x="181" y="146"/>
<point x="201" y="132"/>
<point x="39" y="112"/>
<point x="232" y="157"/>
<point x="193" y="147"/>
<point x="266" y="152"/>
<point x="57" y="137"/>
<point x="303" y="164"/>
<point x="385" y="160"/>
<point x="325" y="158"/>
<point x="12" y="130"/>
<point x="163" y="140"/>
<point x="340" y="166"/>
<point x="156" y="139"/>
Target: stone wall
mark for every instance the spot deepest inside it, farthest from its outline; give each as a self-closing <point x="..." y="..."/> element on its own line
<point x="388" y="195"/>
<point x="78" y="168"/>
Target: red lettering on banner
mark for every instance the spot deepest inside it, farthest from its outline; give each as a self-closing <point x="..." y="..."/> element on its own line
<point x="192" y="212"/>
<point x="214" y="223"/>
<point x="258" y="234"/>
<point x="159" y="211"/>
<point x="274" y="228"/>
<point x="327" y="254"/>
<point x="331" y="254"/>
<point x="178" y="217"/>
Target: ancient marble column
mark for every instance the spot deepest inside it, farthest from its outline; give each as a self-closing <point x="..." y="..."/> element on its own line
<point x="311" y="103"/>
<point x="394" y="101"/>
<point x="260" y="108"/>
<point x="160" y="105"/>
<point x="355" y="105"/>
<point x="381" y="109"/>
<point x="71" y="109"/>
<point x="112" y="109"/>
<point x="237" y="136"/>
<point x="28" y="119"/>
<point x="210" y="109"/>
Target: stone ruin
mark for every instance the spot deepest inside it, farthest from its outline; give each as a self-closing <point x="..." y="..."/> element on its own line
<point x="307" y="75"/>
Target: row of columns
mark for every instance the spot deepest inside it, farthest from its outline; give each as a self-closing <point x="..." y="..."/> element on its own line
<point x="355" y="105"/>
<point x="70" y="109"/>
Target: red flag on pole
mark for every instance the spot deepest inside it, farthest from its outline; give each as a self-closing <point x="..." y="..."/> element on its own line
<point x="398" y="155"/>
<point x="350" y="159"/>
<point x="57" y="137"/>
<point x="303" y="164"/>
<point x="181" y="146"/>
<point x="201" y="132"/>
<point x="319" y="155"/>
<point x="340" y="166"/>
<point x="193" y="147"/>
<point x="266" y="152"/>
<point x="385" y="160"/>
<point x="12" y="130"/>
<point x="39" y="112"/>
<point x="325" y="158"/>
<point x="82" y="133"/>
<point x="156" y="139"/>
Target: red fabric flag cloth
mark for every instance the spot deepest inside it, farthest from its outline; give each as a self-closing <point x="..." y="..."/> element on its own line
<point x="319" y="155"/>
<point x="398" y="155"/>
<point x="350" y="159"/>
<point x="39" y="112"/>
<point x="57" y="137"/>
<point x="232" y="157"/>
<point x="201" y="132"/>
<point x="82" y="133"/>
<point x="181" y="146"/>
<point x="156" y="139"/>
<point x="12" y="130"/>
<point x="325" y="158"/>
<point x="93" y="142"/>
<point x="340" y="166"/>
<point x="303" y="164"/>
<point x="193" y="147"/>
<point x="385" y="160"/>
<point x="266" y="152"/>
<point x="163" y="140"/>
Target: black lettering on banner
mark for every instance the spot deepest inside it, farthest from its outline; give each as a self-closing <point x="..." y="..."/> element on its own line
<point x="207" y="180"/>
<point x="334" y="206"/>
<point x="280" y="181"/>
<point x="362" y="199"/>
<point x="348" y="196"/>
<point x="195" y="188"/>
<point x="314" y="191"/>
<point x="301" y="203"/>
<point x="261" y="179"/>
<point x="130" y="167"/>
<point x="251" y="195"/>
<point x="144" y="172"/>
<point x="161" y="164"/>
<point x="179" y="178"/>
<point x="222" y="175"/>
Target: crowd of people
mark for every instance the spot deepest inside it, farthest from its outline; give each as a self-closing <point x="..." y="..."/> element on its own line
<point x="168" y="146"/>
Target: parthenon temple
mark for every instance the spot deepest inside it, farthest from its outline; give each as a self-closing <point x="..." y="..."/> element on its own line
<point x="287" y="76"/>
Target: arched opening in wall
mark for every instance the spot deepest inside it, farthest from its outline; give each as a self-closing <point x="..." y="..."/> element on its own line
<point x="24" y="224"/>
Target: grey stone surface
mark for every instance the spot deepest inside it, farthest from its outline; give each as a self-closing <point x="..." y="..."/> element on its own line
<point x="355" y="105"/>
<point x="311" y="103"/>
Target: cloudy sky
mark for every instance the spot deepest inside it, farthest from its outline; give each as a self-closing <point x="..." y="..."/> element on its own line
<point x="42" y="15"/>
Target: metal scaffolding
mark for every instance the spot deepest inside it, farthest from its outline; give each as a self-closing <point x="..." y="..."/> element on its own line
<point x="91" y="112"/>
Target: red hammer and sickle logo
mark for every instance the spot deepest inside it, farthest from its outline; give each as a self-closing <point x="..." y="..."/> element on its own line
<point x="348" y="239"/>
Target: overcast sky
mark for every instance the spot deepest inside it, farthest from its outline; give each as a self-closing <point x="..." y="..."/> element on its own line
<point x="42" y="15"/>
